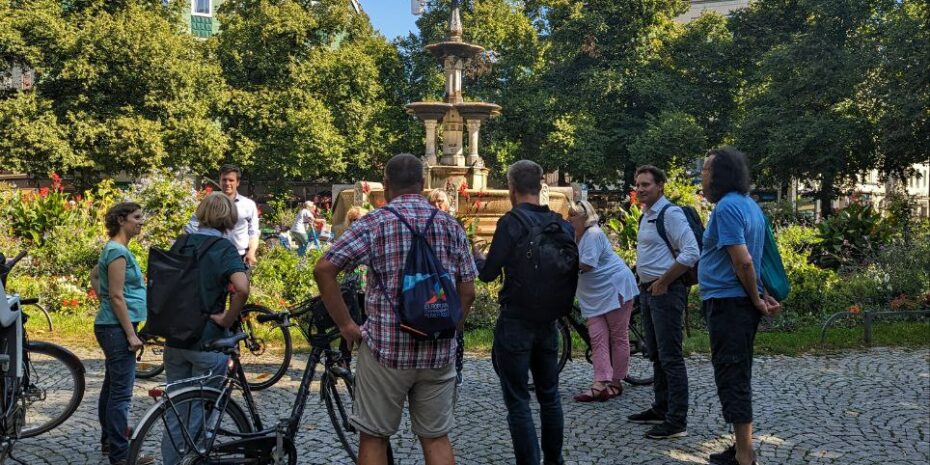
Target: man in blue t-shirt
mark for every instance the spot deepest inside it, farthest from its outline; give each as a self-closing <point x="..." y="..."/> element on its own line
<point x="732" y="296"/>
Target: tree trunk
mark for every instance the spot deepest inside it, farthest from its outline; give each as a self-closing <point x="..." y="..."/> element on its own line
<point x="827" y="192"/>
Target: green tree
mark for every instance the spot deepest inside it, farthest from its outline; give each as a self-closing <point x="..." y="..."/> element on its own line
<point x="798" y="112"/>
<point x="613" y="62"/>
<point x="121" y="87"/>
<point x="897" y="93"/>
<point x="307" y="99"/>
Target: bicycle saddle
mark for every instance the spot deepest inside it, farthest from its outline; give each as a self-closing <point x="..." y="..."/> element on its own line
<point x="224" y="344"/>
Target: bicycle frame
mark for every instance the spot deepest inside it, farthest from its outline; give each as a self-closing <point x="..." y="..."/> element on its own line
<point x="261" y="440"/>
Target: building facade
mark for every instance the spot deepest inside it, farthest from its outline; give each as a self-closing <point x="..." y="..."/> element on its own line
<point x="202" y="18"/>
<point x="723" y="7"/>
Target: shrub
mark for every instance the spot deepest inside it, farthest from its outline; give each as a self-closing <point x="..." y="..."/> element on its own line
<point x="851" y="236"/>
<point x="31" y="215"/>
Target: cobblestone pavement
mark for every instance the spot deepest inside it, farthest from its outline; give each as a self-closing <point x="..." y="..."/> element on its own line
<point x="856" y="408"/>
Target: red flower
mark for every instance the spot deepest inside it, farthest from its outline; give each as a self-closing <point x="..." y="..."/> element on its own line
<point x="56" y="182"/>
<point x="282" y="302"/>
<point x="64" y="302"/>
<point x="92" y="294"/>
<point x="379" y="203"/>
<point x="74" y="302"/>
<point x="463" y="187"/>
<point x="477" y="204"/>
<point x="634" y="198"/>
<point x="854" y="309"/>
<point x="365" y="187"/>
<point x="208" y="190"/>
<point x="43" y="192"/>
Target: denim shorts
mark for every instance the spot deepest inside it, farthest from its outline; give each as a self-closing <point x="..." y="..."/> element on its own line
<point x="732" y="325"/>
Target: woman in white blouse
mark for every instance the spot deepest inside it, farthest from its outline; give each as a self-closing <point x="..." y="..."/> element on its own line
<point x="606" y="289"/>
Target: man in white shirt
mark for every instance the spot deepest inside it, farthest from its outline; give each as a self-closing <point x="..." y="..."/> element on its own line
<point x="660" y="265"/>
<point x="245" y="234"/>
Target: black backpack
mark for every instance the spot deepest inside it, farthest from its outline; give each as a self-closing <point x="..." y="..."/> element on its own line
<point x="175" y="301"/>
<point x="545" y="273"/>
<point x="689" y="278"/>
<point x="428" y="304"/>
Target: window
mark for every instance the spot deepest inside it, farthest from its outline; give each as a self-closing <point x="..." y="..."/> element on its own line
<point x="202" y="7"/>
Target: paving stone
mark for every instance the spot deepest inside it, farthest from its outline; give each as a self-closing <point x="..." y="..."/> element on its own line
<point x="856" y="408"/>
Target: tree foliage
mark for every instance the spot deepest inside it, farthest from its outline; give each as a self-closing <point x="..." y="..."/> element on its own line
<point x="819" y="90"/>
<point x="120" y="87"/>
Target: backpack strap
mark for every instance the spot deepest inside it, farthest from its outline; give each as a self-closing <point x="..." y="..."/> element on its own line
<point x="522" y="218"/>
<point x="660" y="228"/>
<point x="202" y="249"/>
<point x="413" y="230"/>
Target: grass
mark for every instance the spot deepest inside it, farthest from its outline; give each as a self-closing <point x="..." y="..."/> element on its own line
<point x="806" y="339"/>
<point x="77" y="331"/>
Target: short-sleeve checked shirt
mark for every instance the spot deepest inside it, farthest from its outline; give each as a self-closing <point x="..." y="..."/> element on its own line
<point x="381" y="241"/>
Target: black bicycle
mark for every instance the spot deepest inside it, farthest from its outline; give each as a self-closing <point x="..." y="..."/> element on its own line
<point x="203" y="425"/>
<point x="265" y="360"/>
<point x="41" y="384"/>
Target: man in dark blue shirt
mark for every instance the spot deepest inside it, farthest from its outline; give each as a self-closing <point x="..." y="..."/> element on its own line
<point x="524" y="339"/>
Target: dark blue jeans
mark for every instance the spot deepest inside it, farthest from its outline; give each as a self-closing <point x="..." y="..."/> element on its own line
<point x="662" y="329"/>
<point x="521" y="347"/>
<point x="116" y="393"/>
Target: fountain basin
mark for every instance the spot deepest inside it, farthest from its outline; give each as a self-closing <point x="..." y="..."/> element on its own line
<point x="462" y="50"/>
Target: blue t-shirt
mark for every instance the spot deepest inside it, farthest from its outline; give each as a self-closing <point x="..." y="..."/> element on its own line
<point x="735" y="220"/>
<point x="133" y="288"/>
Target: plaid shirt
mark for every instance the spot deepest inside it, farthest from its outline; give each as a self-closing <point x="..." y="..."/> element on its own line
<point x="381" y="241"/>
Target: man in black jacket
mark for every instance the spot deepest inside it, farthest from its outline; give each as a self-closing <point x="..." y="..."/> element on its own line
<point x="525" y="338"/>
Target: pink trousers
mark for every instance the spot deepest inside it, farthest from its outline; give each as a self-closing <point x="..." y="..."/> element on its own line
<point x="610" y="343"/>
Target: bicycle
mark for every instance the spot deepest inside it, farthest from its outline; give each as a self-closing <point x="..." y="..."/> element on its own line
<point x="265" y="361"/>
<point x="41" y="384"/>
<point x="214" y="429"/>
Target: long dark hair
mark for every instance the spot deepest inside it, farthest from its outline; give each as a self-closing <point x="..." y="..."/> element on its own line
<point x="729" y="172"/>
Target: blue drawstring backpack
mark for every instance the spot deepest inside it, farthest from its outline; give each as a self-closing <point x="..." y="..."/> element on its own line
<point x="774" y="278"/>
<point x="428" y="305"/>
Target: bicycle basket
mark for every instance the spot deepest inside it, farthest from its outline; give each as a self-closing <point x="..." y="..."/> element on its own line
<point x="317" y="320"/>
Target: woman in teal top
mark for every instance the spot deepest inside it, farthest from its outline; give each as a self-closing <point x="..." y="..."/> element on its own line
<point x="122" y="306"/>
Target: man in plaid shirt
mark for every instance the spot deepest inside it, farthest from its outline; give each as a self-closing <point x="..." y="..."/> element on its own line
<point x="392" y="366"/>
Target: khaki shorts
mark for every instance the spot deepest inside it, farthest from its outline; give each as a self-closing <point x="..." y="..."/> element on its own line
<point x="380" y="393"/>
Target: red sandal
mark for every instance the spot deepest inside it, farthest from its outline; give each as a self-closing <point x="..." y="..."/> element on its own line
<point x="594" y="395"/>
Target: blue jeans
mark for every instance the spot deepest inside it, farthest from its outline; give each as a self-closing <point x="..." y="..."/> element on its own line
<point x="181" y="364"/>
<point x="662" y="329"/>
<point x="116" y="393"/>
<point x="522" y="346"/>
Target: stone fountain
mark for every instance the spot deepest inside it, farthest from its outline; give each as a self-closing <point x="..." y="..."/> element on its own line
<point x="460" y="172"/>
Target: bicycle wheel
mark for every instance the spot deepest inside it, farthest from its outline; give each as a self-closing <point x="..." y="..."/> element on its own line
<point x="150" y="361"/>
<point x="46" y="318"/>
<point x="338" y="396"/>
<point x="565" y="343"/>
<point x="54" y="389"/>
<point x="267" y="352"/>
<point x="185" y="414"/>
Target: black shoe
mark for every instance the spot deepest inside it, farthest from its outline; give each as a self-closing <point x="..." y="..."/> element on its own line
<point x="666" y="431"/>
<point x="724" y="457"/>
<point x="727" y="457"/>
<point x="649" y="417"/>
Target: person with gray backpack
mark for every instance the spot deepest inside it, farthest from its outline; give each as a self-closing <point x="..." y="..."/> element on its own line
<point x="534" y="248"/>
